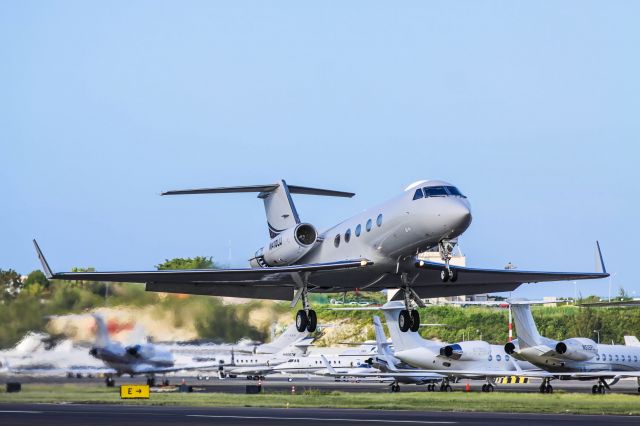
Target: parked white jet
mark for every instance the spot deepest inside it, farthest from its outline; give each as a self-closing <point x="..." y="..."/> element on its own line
<point x="147" y="358"/>
<point x="371" y="251"/>
<point x="576" y="358"/>
<point x="384" y="365"/>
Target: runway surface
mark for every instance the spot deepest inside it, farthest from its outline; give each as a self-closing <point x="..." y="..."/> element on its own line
<point x="302" y="383"/>
<point x="72" y="414"/>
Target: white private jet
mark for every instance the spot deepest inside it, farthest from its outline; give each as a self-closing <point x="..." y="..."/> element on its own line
<point x="139" y="359"/>
<point x="577" y="358"/>
<point x="373" y="250"/>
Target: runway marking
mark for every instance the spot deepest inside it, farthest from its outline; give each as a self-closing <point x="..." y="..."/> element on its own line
<point x="21" y="411"/>
<point x="324" y="419"/>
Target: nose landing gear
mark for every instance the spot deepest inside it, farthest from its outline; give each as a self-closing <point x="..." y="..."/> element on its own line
<point x="445" y="248"/>
<point x="546" y="387"/>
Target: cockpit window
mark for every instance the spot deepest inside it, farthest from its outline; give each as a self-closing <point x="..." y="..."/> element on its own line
<point x="418" y="194"/>
<point x="454" y="191"/>
<point x="435" y="191"/>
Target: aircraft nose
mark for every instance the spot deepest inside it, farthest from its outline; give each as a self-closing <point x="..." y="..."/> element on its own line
<point x="459" y="216"/>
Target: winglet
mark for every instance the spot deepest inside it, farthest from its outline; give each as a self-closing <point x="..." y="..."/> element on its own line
<point x="599" y="260"/>
<point x="328" y="365"/>
<point x="47" y="270"/>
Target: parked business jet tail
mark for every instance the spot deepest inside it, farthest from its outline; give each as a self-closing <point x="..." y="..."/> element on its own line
<point x="102" y="333"/>
<point x="528" y="335"/>
<point x="288" y="337"/>
<point x="278" y="205"/>
<point x="631" y="341"/>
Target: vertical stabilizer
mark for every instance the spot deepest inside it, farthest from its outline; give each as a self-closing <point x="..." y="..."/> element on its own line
<point x="631" y="341"/>
<point x="288" y="337"/>
<point x="280" y="210"/>
<point x="102" y="333"/>
<point x="526" y="328"/>
<point x="401" y="341"/>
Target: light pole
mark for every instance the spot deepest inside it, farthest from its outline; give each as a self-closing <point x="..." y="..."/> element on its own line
<point x="598" y="333"/>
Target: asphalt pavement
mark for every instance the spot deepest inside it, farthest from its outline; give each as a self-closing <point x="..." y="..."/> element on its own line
<point x="85" y="414"/>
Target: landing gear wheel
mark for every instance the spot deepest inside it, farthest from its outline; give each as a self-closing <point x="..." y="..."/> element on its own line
<point x="404" y="320"/>
<point x="444" y="275"/>
<point x="301" y="320"/>
<point x="313" y="321"/>
<point x="395" y="388"/>
<point x="484" y="388"/>
<point x="151" y="381"/>
<point x="489" y="388"/>
<point x="165" y="382"/>
<point x="415" y="320"/>
<point x="453" y="275"/>
<point x="594" y="389"/>
<point x="110" y="382"/>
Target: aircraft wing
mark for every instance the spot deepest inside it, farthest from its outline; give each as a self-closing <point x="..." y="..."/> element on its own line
<point x="332" y="372"/>
<point x="255" y="370"/>
<point x="150" y="369"/>
<point x="277" y="283"/>
<point x="427" y="282"/>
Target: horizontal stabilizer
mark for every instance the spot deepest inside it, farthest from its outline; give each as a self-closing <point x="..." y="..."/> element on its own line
<point x="293" y="189"/>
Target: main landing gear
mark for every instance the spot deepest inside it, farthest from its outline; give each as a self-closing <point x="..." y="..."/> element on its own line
<point x="546" y="387"/>
<point x="395" y="387"/>
<point x="409" y="318"/>
<point x="306" y="318"/>
<point x="445" y="248"/>
<point x="602" y="387"/>
<point x="487" y="387"/>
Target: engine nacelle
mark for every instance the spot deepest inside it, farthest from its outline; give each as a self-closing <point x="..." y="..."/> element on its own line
<point x="140" y="351"/>
<point x="510" y="348"/>
<point x="453" y="351"/>
<point x="577" y="349"/>
<point x="468" y="351"/>
<point x="287" y="247"/>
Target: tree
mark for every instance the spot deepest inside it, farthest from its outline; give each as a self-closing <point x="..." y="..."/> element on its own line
<point x="198" y="262"/>
<point x="10" y="283"/>
<point x="622" y="294"/>
<point x="37" y="277"/>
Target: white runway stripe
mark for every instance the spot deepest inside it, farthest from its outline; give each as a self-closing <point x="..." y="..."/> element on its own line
<point x="20" y="411"/>
<point x="324" y="419"/>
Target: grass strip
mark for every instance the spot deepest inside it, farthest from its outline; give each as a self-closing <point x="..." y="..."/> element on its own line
<point x="557" y="403"/>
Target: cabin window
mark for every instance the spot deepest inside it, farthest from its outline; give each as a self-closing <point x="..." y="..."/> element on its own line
<point x="369" y="225"/>
<point x="617" y="358"/>
<point x="347" y="235"/>
<point x="635" y="358"/>
<point x="379" y="220"/>
<point x="498" y="357"/>
<point x="435" y="191"/>
<point x="418" y="194"/>
<point x="597" y="357"/>
<point x="358" y="230"/>
<point x="336" y="241"/>
<point x="490" y="358"/>
<point x="506" y="357"/>
<point x="610" y="357"/>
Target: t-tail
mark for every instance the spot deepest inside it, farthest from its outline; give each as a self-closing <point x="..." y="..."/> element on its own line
<point x="278" y="205"/>
<point x="102" y="332"/>
<point x="288" y="337"/>
<point x="401" y="341"/>
<point x="526" y="329"/>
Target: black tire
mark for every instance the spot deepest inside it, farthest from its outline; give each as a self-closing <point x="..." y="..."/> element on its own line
<point x="594" y="389"/>
<point x="415" y="320"/>
<point x="448" y="388"/>
<point x="453" y="275"/>
<point x="151" y="381"/>
<point x="444" y="275"/>
<point x="404" y="321"/>
<point x="313" y="321"/>
<point x="301" y="320"/>
<point x="489" y="388"/>
<point x="484" y="388"/>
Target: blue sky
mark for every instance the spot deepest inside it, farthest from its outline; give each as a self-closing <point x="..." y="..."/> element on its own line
<point x="531" y="108"/>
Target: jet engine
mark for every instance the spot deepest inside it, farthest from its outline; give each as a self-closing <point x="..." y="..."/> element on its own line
<point x="453" y="351"/>
<point x="471" y="350"/>
<point x="577" y="349"/>
<point x="287" y="247"/>
<point x="511" y="347"/>
<point x="140" y="351"/>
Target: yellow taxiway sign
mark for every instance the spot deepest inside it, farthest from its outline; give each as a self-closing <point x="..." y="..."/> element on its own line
<point x="134" y="391"/>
